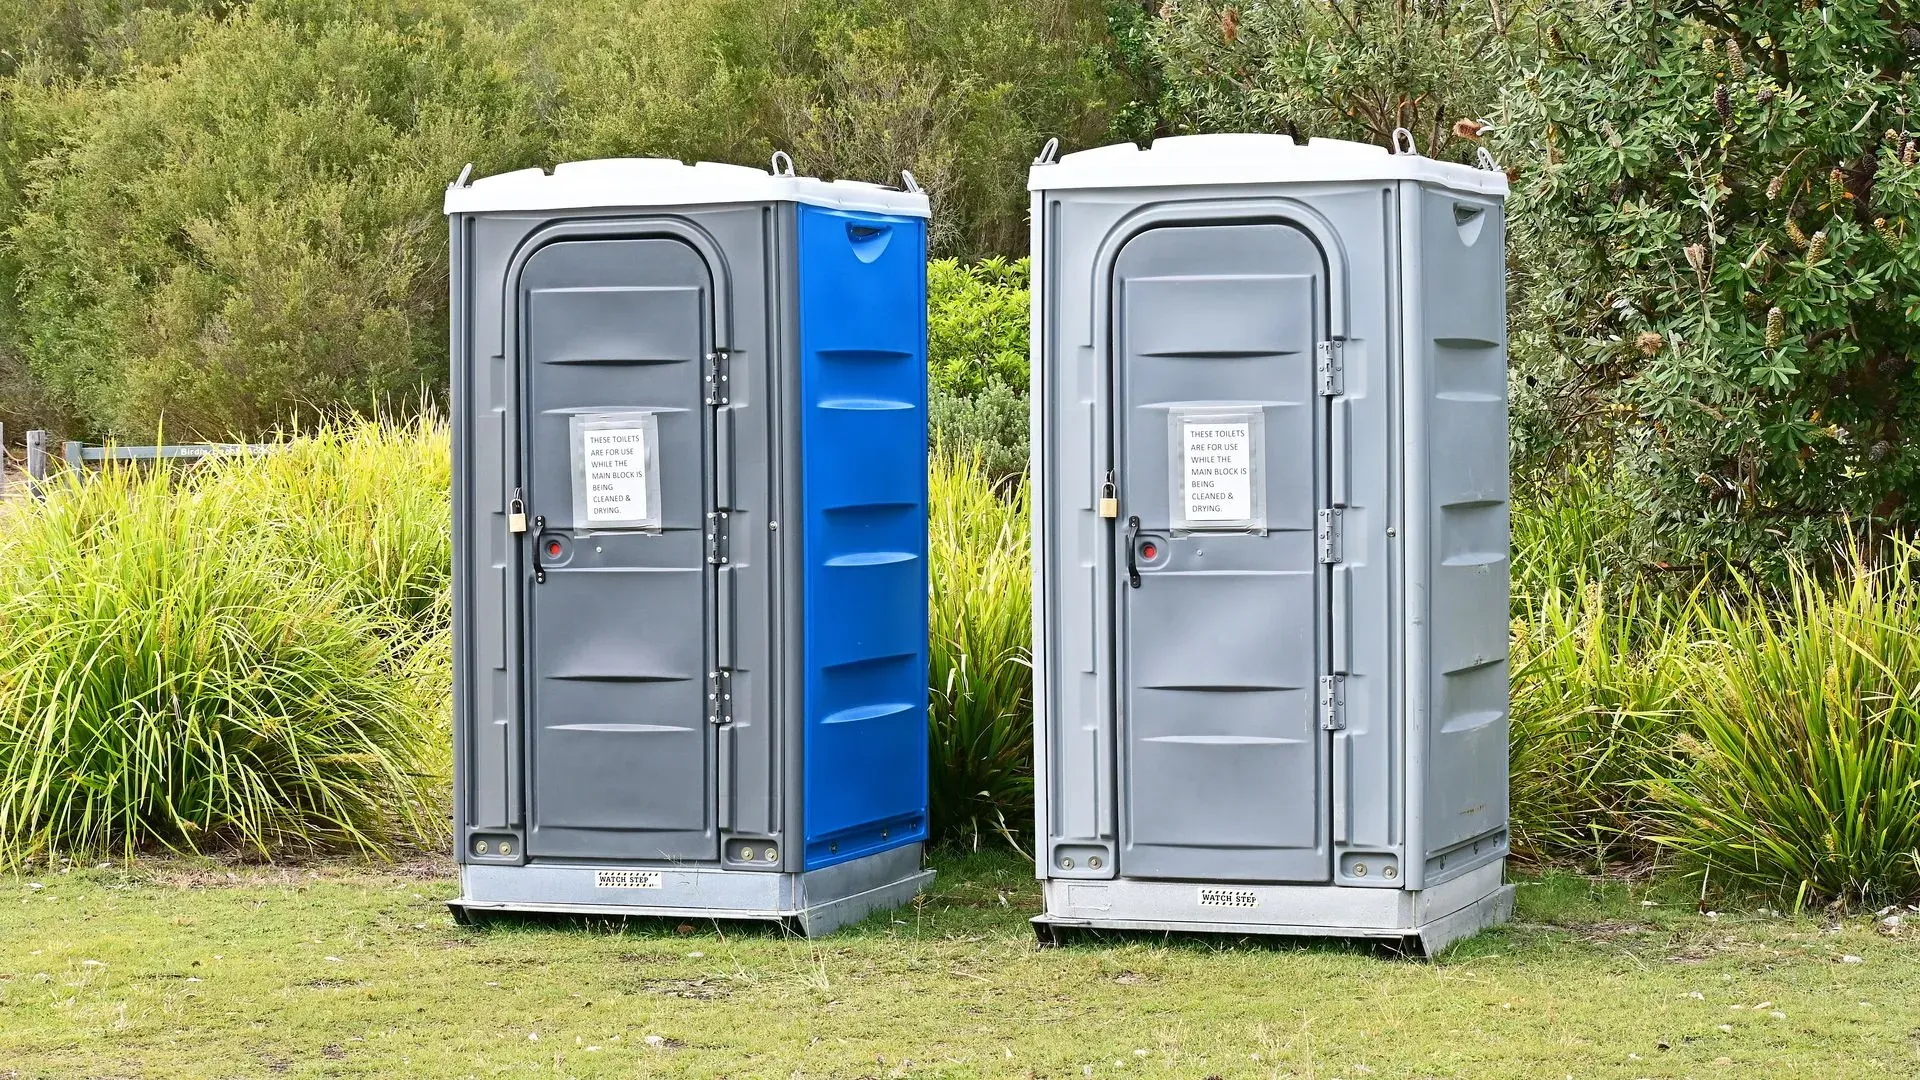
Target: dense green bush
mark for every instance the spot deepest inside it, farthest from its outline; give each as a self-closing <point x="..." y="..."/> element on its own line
<point x="223" y="217"/>
<point x="977" y="362"/>
<point x="1351" y="70"/>
<point x="225" y="241"/>
<point x="1721" y="208"/>
<point x="981" y="671"/>
<point x="175" y="676"/>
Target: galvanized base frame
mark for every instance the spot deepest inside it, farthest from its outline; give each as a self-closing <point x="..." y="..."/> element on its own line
<point x="1426" y="921"/>
<point x="811" y="904"/>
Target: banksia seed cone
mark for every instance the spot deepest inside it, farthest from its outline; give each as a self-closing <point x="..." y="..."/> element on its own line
<point x="1723" y="103"/>
<point x="1774" y="186"/>
<point x="1817" y="247"/>
<point x="1794" y="234"/>
<point x="1559" y="42"/>
<point x="1696" y="257"/>
<point x="1767" y="96"/>
<point x="1776" y="327"/>
<point x="1649" y="343"/>
<point x="1710" y="47"/>
<point x="1880" y="452"/>
<point x="1836" y="185"/>
<point x="1736" y="66"/>
<point x="1230" y="25"/>
<point x="1885" y="230"/>
<point x="1910" y="154"/>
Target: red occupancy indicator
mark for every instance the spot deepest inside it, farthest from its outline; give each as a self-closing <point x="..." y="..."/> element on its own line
<point x="553" y="548"/>
<point x="1149" y="549"/>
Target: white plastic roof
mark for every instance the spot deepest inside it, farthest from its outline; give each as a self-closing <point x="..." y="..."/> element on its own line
<point x="1252" y="159"/>
<point x="622" y="183"/>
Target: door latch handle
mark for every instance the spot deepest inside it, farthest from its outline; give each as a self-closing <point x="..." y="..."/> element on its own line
<point x="1133" y="562"/>
<point x="539" y="539"/>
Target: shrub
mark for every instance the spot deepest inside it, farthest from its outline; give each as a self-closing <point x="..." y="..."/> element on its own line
<point x="252" y="230"/>
<point x="1724" y="199"/>
<point x="981" y="662"/>
<point x="1805" y="776"/>
<point x="1351" y="70"/>
<point x="172" y="681"/>
<point x="977" y="357"/>
<point x="989" y="428"/>
<point x="977" y="324"/>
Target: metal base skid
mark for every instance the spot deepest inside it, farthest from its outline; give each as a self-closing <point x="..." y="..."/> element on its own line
<point x="1428" y="920"/>
<point x="812" y="904"/>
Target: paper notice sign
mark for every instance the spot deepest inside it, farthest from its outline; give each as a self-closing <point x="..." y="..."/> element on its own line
<point x="615" y="460"/>
<point x="1218" y="461"/>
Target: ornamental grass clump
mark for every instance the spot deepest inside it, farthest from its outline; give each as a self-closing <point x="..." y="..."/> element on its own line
<point x="1804" y="776"/>
<point x="174" y="676"/>
<point x="981" y="665"/>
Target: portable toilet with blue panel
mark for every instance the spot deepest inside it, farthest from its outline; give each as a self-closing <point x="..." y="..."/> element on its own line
<point x="690" y="542"/>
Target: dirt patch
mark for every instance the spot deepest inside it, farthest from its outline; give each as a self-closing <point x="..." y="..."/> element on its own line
<point x="690" y="989"/>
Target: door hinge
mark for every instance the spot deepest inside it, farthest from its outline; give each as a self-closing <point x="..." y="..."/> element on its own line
<point x="1333" y="702"/>
<point x="1331" y="364"/>
<point x="720" y="696"/>
<point x="718" y="363"/>
<point x="1327" y="533"/>
<point x="717" y="539"/>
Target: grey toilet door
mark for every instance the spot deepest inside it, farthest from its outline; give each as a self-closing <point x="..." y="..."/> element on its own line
<point x="619" y="634"/>
<point x="1219" y="454"/>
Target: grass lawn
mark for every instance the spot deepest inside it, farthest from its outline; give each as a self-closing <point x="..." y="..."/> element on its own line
<point x="180" y="969"/>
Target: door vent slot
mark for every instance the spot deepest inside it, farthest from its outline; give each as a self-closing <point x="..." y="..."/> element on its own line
<point x="626" y="879"/>
<point x="1229" y="898"/>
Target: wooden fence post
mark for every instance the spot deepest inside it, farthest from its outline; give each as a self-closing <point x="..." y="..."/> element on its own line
<point x="36" y="457"/>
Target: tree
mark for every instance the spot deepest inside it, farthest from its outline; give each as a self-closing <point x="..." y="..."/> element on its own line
<point x="1349" y="69"/>
<point x="1721" y="208"/>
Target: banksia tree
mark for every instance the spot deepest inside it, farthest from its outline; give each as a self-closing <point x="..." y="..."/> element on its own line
<point x="1659" y="124"/>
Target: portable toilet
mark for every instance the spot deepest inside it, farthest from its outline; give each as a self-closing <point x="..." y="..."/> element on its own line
<point x="690" y="522"/>
<point x="1271" y="552"/>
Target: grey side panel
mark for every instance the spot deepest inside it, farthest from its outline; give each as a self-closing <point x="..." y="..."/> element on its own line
<point x="1463" y="350"/>
<point x="619" y="634"/>
<point x="1222" y="772"/>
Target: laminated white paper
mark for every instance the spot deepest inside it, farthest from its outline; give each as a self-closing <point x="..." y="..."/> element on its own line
<point x="615" y="460"/>
<point x="1214" y="456"/>
<point x="615" y="470"/>
<point x="1219" y="466"/>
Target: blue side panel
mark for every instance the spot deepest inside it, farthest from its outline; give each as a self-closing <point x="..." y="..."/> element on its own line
<point x="863" y="446"/>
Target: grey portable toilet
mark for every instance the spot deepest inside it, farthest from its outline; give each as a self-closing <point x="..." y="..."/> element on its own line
<point x="690" y="584"/>
<point x="1270" y="610"/>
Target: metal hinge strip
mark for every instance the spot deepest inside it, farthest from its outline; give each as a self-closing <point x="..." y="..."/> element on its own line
<point x="718" y="541"/>
<point x="718" y="376"/>
<point x="1331" y="366"/>
<point x="1333" y="702"/>
<point x="1327" y="528"/>
<point x="720" y="696"/>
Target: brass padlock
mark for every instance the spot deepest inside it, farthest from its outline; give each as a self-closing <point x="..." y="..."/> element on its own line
<point x="516" y="514"/>
<point x="1109" y="499"/>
